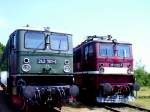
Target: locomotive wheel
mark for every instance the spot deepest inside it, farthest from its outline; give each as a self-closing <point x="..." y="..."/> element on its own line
<point x="17" y="102"/>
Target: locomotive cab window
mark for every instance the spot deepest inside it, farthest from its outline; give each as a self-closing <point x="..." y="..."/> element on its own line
<point x="106" y="50"/>
<point x="123" y="51"/>
<point x="59" y="42"/>
<point x="34" y="40"/>
<point x="120" y="50"/>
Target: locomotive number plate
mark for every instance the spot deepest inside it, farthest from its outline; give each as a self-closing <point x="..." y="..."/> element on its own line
<point x="116" y="65"/>
<point x="46" y="61"/>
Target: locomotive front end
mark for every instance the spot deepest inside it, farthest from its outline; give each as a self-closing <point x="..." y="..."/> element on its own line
<point x="105" y="70"/>
<point x="115" y="64"/>
<point x="40" y="68"/>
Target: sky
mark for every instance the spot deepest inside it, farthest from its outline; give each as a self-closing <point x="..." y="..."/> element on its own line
<point x="125" y="20"/>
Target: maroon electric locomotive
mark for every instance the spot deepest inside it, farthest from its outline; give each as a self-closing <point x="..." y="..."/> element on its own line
<point x="103" y="70"/>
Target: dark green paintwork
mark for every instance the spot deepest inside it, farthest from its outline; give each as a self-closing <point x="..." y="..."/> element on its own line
<point x="57" y="68"/>
<point x="33" y="55"/>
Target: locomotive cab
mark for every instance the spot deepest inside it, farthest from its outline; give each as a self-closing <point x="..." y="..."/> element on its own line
<point x="105" y="69"/>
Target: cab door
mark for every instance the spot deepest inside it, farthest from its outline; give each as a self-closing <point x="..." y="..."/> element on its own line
<point x="89" y="57"/>
<point x="13" y="54"/>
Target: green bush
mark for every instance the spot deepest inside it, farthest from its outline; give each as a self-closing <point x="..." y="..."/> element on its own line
<point x="142" y="77"/>
<point x="3" y="66"/>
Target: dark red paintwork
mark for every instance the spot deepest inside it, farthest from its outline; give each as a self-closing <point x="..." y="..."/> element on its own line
<point x="93" y="62"/>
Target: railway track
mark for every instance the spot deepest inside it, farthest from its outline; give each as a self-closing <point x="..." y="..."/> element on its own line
<point x="124" y="105"/>
<point x="136" y="107"/>
<point x="55" y="110"/>
<point x="111" y="109"/>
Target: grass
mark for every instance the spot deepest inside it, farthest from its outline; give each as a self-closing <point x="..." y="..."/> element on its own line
<point x="143" y="97"/>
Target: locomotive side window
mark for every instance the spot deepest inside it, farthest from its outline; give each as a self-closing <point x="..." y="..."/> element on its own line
<point x="91" y="50"/>
<point x="14" y="38"/>
<point x="13" y="41"/>
<point x="106" y="50"/>
<point x="88" y="52"/>
<point x="59" y="42"/>
<point x="34" y="40"/>
<point x="123" y="51"/>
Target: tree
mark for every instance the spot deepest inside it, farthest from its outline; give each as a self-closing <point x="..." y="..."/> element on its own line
<point x="1" y="49"/>
<point x="142" y="77"/>
<point x="2" y="66"/>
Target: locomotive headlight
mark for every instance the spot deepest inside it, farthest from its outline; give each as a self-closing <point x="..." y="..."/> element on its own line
<point x="26" y="67"/>
<point x="26" y="60"/>
<point x="101" y="70"/>
<point x="67" y="62"/>
<point x="129" y="71"/>
<point x="67" y="68"/>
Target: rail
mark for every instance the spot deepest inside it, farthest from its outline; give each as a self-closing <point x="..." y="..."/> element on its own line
<point x="136" y="107"/>
<point x="55" y="109"/>
<point x="111" y="109"/>
<point x="122" y="105"/>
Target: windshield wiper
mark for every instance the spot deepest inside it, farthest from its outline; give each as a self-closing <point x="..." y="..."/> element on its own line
<point x="59" y="46"/>
<point x="38" y="46"/>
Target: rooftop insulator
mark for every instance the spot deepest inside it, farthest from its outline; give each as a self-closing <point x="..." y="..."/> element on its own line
<point x="109" y="37"/>
<point x="46" y="28"/>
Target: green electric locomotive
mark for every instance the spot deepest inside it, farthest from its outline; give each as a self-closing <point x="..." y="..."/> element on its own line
<point x="40" y="67"/>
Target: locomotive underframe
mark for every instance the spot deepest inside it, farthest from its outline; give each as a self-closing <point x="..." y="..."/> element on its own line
<point x="39" y="90"/>
<point x="118" y="88"/>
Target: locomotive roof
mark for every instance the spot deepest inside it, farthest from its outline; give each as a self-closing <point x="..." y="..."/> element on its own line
<point x="98" y="40"/>
<point x="41" y="29"/>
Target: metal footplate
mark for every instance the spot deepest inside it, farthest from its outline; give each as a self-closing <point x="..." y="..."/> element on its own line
<point x="115" y="99"/>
